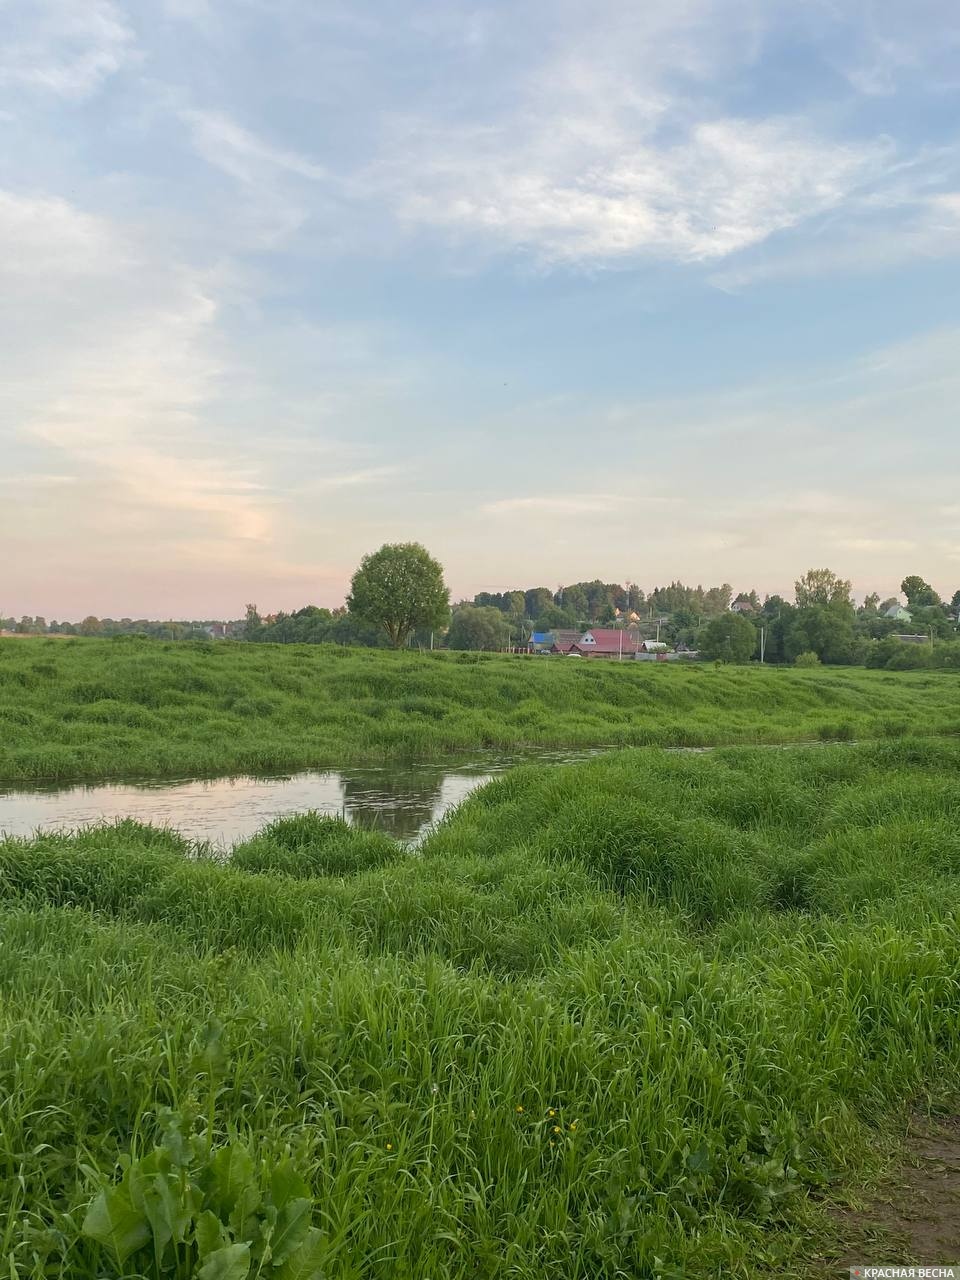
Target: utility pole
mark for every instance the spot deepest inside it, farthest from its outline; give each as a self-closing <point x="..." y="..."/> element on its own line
<point x="763" y="642"/>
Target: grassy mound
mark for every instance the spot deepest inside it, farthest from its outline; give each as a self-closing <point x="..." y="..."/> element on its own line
<point x="92" y="708"/>
<point x="311" y="844"/>
<point x="614" y="1019"/>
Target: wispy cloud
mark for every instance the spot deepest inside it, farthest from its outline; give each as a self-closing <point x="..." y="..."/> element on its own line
<point x="63" y="48"/>
<point x="242" y="154"/>
<point x="272" y="205"/>
<point x="615" y="146"/>
<point x="864" y="239"/>
<point x="125" y="401"/>
<point x="892" y="45"/>
<point x="608" y="143"/>
<point x="727" y="184"/>
<point x="128" y="411"/>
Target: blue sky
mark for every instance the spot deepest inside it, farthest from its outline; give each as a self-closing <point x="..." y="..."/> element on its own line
<point x="642" y="291"/>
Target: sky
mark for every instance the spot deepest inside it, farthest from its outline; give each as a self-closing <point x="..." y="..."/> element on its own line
<point x="638" y="291"/>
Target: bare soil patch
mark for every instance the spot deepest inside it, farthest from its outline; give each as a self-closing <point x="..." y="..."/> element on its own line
<point x="914" y="1216"/>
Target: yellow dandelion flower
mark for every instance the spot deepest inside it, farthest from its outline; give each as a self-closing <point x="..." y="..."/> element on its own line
<point x="556" y="1128"/>
<point x="389" y="1146"/>
<point x="573" y="1124"/>
<point x="519" y="1110"/>
<point x="551" y="1113"/>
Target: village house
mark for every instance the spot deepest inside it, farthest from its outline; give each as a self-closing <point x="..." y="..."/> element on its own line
<point x="653" y="651"/>
<point x="607" y="642"/>
<point x="564" y="640"/>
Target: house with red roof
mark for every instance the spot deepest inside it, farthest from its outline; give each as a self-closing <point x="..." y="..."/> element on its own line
<point x="607" y="642"/>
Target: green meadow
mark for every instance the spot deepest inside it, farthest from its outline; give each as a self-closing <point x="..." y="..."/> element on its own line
<point x="645" y="1016"/>
<point x="100" y="708"/>
<point x="639" y="1017"/>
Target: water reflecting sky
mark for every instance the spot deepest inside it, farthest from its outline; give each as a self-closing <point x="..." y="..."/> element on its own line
<point x="225" y="810"/>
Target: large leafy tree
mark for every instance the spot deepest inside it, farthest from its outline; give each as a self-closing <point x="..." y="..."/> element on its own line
<point x="870" y="606"/>
<point x="824" y="630"/>
<point x="537" y="600"/>
<point x="478" y="628"/>
<point x="730" y="638"/>
<point x="822" y="586"/>
<point x="919" y="593"/>
<point x="554" y="617"/>
<point x="400" y="588"/>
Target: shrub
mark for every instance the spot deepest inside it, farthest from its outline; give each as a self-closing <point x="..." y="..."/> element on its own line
<point x="842" y="732"/>
<point x="807" y="659"/>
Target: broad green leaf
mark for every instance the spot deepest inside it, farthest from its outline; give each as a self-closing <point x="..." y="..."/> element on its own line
<point x="158" y="1196"/>
<point x="244" y="1218"/>
<point x="226" y="1177"/>
<point x="286" y="1184"/>
<point x="209" y="1234"/>
<point x="291" y="1229"/>
<point x="229" y="1263"/>
<point x="158" y="1160"/>
<point x="306" y="1262"/>
<point x="115" y="1222"/>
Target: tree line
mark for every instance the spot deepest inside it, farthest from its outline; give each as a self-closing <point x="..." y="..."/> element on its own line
<point x="108" y="627"/>
<point x="596" y="603"/>
<point x="822" y="624"/>
<point x="398" y="596"/>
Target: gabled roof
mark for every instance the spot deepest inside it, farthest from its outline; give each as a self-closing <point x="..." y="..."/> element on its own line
<point x="606" y="640"/>
<point x="565" y="638"/>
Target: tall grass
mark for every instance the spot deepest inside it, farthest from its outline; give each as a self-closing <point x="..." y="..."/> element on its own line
<point x="89" y="708"/>
<point x="619" y="1019"/>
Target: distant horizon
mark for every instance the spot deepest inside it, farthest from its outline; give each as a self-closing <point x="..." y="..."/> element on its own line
<point x="267" y="608"/>
<point x="540" y="287"/>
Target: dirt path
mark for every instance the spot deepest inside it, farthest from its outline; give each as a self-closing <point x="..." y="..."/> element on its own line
<point x="915" y="1216"/>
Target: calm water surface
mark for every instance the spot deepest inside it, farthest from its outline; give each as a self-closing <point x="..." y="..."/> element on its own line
<point x="403" y="803"/>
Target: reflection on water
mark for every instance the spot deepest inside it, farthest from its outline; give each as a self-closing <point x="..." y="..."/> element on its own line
<point x="224" y="811"/>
